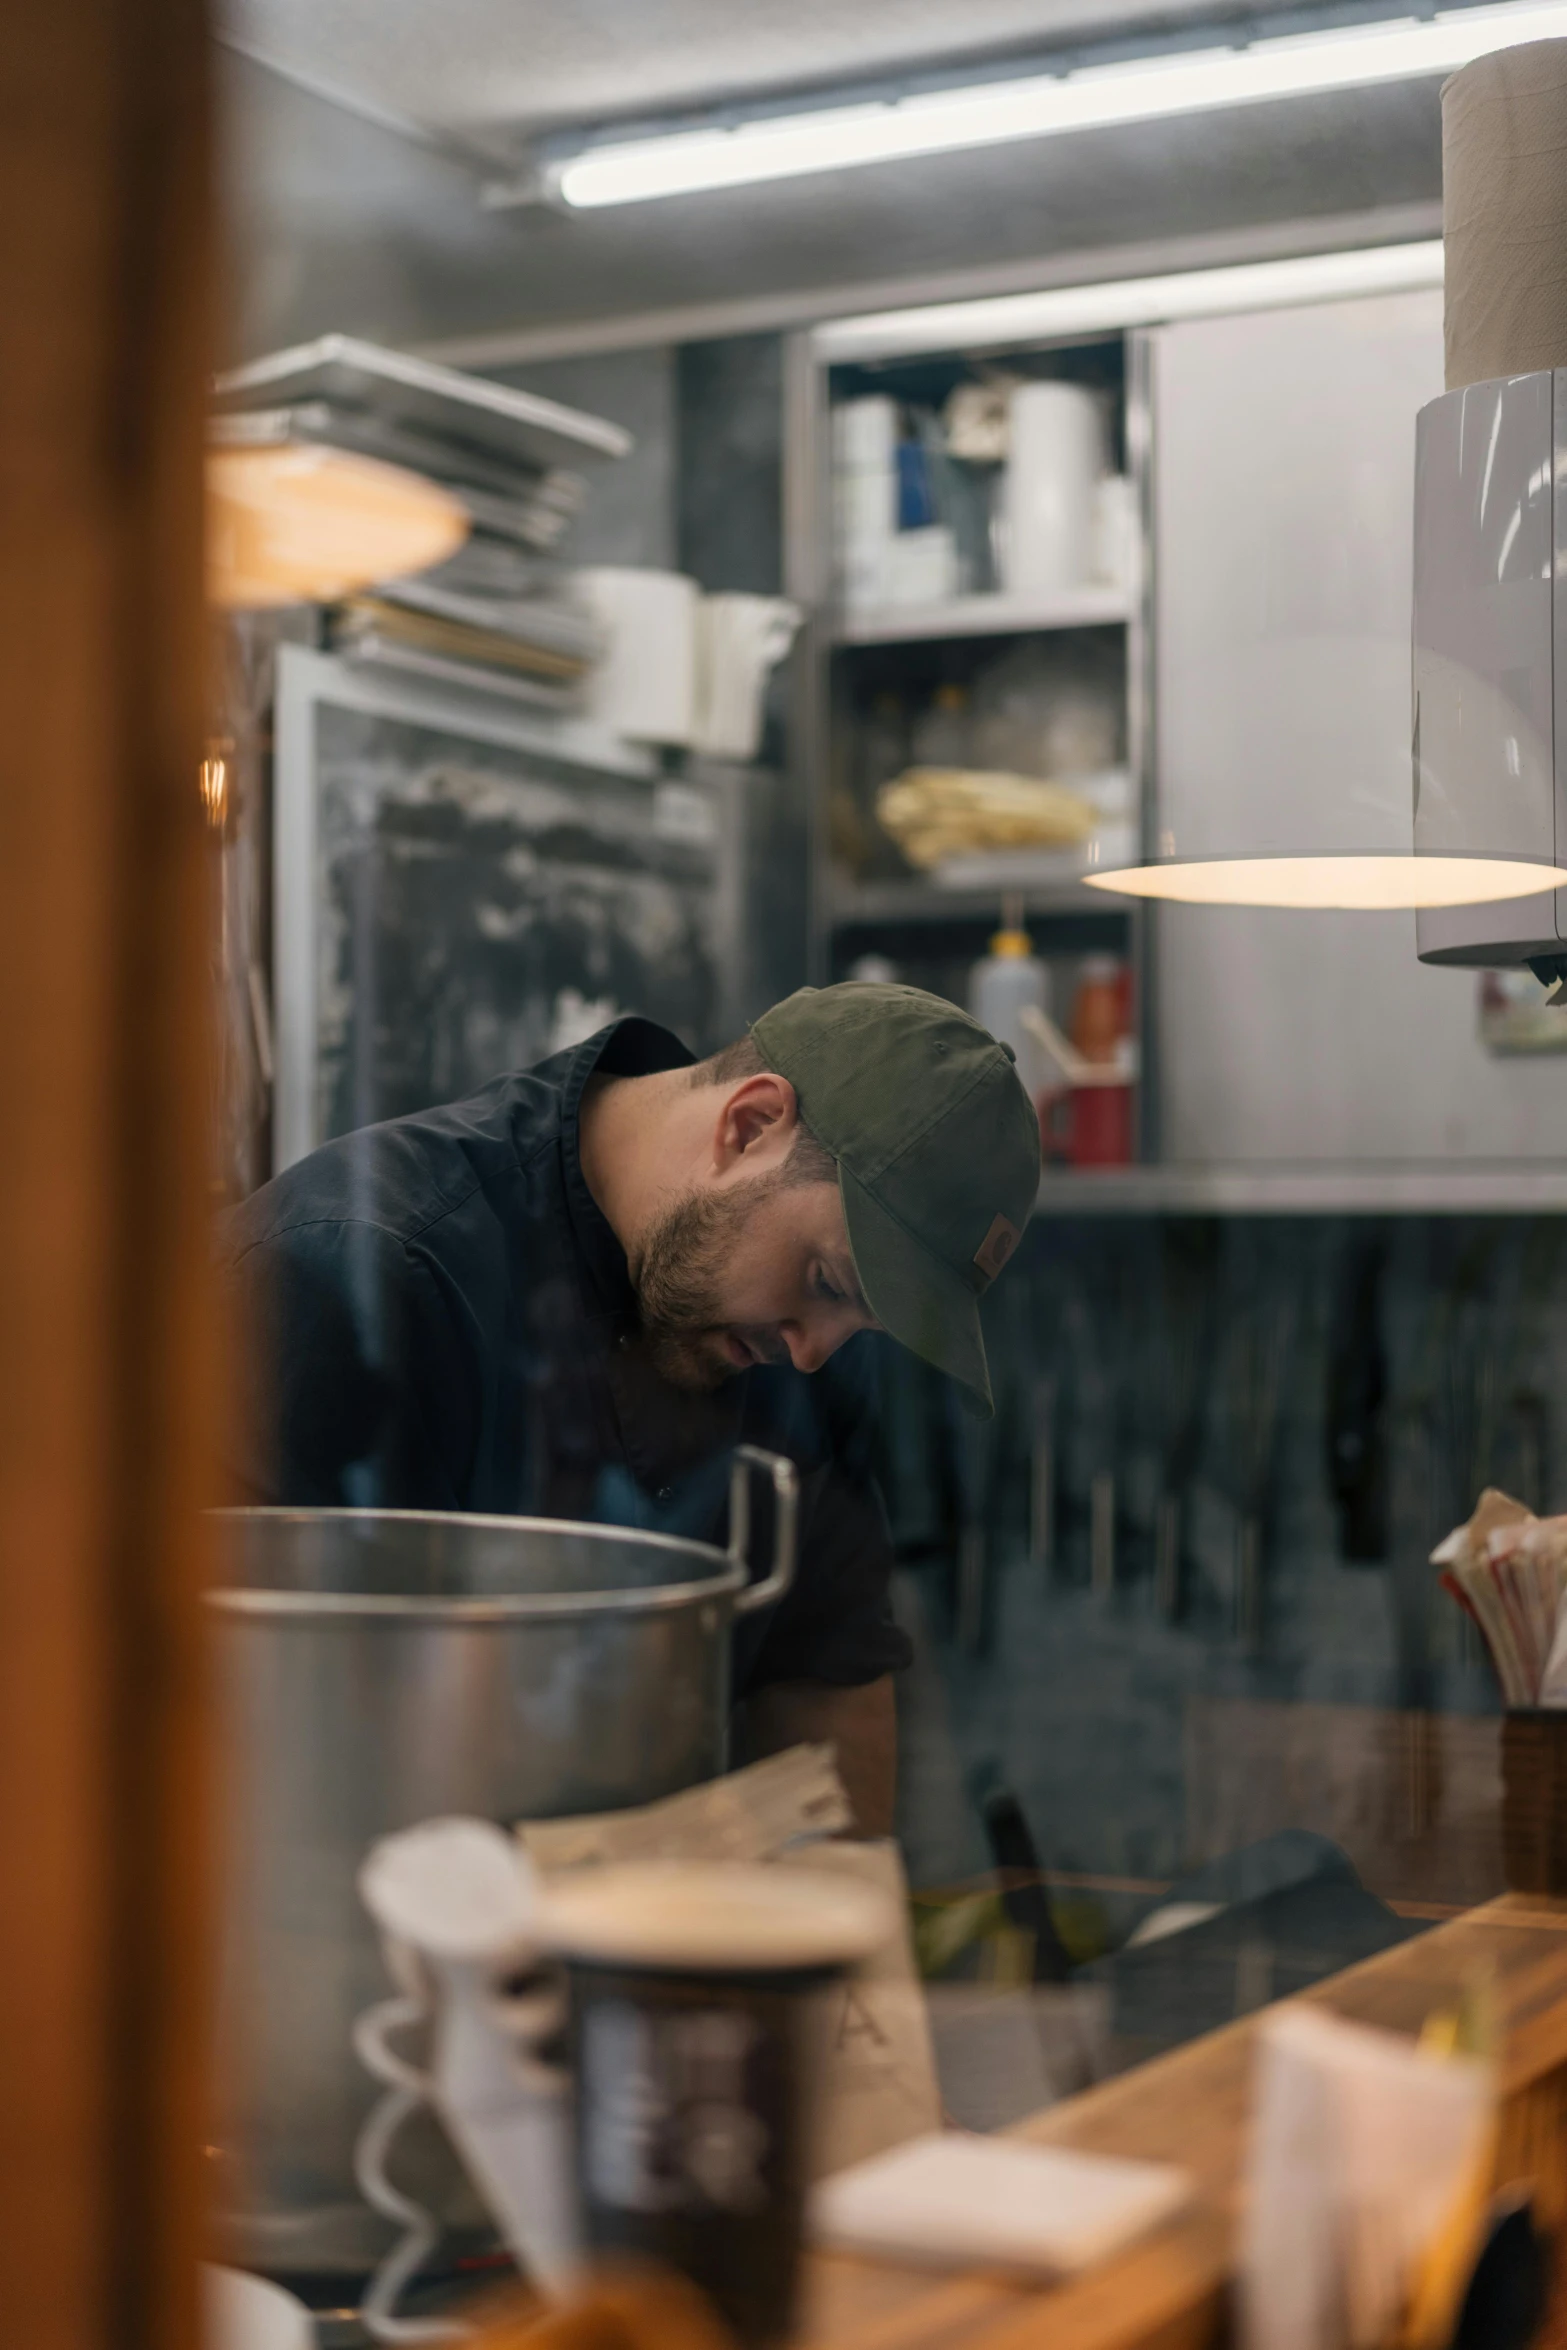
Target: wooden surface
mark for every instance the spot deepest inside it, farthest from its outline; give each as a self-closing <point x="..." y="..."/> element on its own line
<point x="1190" y="2108"/>
<point x="105" y="1367"/>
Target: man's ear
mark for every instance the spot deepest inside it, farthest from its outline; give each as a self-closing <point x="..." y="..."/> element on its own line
<point x="756" y="1122"/>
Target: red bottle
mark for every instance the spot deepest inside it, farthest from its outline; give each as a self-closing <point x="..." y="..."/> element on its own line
<point x="1101" y="1115"/>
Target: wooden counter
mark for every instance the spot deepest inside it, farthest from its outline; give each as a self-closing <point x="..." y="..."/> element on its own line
<point x="1169" y="2293"/>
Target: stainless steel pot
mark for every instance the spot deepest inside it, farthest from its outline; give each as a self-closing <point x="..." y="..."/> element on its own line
<point x="379" y="1667"/>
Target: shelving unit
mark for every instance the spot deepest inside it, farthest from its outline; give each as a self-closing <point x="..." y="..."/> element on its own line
<point x="1418" y="1188"/>
<point x="854" y="903"/>
<point x="983" y="615"/>
<point x="847" y="658"/>
<point x="934" y="933"/>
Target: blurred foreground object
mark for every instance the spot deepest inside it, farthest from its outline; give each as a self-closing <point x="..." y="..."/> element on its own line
<point x="745" y="1815"/>
<point x="696" y="2062"/>
<point x="878" y="2084"/>
<point x="410" y="1665"/>
<point x="108" y="1372"/>
<point x="709" y="2021"/>
<point x="241" y="2312"/>
<point x="296" y="525"/>
<point x="954" y="2200"/>
<point x="1369" y="2166"/>
<point x="638" y="2310"/>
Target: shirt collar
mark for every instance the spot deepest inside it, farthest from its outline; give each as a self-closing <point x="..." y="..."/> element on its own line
<point x="629" y="1047"/>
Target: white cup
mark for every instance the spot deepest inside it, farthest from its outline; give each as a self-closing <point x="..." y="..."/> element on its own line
<point x="740" y="639"/>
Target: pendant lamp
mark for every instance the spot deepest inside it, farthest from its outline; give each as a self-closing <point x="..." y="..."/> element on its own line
<point x="1468" y="815"/>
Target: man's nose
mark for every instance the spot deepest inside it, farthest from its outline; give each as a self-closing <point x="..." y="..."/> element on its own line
<point x="810" y="1343"/>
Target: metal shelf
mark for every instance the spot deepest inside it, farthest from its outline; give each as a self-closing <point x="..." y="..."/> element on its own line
<point x="892" y="902"/>
<point x="1478" y="1187"/>
<point x="515" y="426"/>
<point x="992" y="615"/>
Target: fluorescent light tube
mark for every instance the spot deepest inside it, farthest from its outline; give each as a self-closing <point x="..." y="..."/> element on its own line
<point x="691" y="162"/>
<point x="1121" y="302"/>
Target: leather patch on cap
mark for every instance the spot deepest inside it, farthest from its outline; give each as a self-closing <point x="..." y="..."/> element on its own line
<point x="997" y="1245"/>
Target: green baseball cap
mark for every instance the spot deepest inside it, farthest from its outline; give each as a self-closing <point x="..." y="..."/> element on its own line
<point x="937" y="1147"/>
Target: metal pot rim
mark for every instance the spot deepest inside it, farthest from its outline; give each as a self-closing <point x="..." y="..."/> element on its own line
<point x="518" y="1607"/>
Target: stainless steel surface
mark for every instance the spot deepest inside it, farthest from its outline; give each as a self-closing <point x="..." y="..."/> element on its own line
<point x="1486" y="681"/>
<point x="1141" y="681"/>
<point x="1391" y="1188"/>
<point x="784" y="311"/>
<point x="377" y="1668"/>
<point x="853" y="903"/>
<point x="807" y="572"/>
<point x="983" y="615"/>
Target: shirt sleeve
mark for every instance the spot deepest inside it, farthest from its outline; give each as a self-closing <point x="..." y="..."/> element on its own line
<point x="835" y="1623"/>
<point x="353" y="1386"/>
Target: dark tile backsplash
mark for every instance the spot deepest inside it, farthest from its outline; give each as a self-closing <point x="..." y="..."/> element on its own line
<point x="1182" y="1578"/>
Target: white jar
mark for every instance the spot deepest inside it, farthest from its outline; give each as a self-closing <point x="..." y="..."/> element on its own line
<point x="1052" y="484"/>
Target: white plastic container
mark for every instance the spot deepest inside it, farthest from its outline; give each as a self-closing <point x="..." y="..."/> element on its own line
<point x="1051" y="498"/>
<point x="739" y="640"/>
<point x="865" y="498"/>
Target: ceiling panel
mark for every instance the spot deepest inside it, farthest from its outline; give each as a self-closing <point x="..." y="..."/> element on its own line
<point x="472" y="67"/>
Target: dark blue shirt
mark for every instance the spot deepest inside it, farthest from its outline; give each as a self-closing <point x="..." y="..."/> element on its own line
<point x="438" y="1316"/>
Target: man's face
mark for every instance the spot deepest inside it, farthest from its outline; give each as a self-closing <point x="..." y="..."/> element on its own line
<point x="758" y="1270"/>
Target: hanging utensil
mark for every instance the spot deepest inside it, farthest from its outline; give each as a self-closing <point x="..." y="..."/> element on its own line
<point x="1268" y="1349"/>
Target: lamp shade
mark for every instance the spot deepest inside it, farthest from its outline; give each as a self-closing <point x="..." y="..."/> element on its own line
<point x="296" y="524"/>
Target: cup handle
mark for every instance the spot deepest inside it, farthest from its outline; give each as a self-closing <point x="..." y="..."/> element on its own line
<point x="749" y="1459"/>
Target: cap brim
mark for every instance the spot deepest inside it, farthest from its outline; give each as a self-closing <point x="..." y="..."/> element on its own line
<point x="917" y="1299"/>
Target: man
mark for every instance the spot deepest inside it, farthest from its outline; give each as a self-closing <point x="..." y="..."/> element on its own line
<point x="573" y="1294"/>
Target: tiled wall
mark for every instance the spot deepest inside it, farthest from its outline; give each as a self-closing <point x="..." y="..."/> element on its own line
<point x="1178" y="1593"/>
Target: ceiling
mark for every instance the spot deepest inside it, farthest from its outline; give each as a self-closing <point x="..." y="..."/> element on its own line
<point x="494" y="70"/>
<point x="340" y="217"/>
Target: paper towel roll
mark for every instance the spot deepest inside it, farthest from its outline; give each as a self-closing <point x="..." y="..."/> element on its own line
<point x="1052" y="482"/>
<point x="644" y="686"/>
<point x="1504" y="213"/>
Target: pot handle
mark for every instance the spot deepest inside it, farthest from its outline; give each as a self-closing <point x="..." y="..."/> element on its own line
<point x="786" y="1498"/>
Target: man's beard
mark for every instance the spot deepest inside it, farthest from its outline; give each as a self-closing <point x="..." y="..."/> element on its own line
<point x="677" y="1283"/>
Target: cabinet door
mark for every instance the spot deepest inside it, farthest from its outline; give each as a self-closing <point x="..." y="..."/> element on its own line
<point x="1284" y="471"/>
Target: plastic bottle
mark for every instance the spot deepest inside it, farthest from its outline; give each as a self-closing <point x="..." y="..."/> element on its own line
<point x="1099" y="1009"/>
<point x="1000" y="985"/>
<point x="1101" y="1115"/>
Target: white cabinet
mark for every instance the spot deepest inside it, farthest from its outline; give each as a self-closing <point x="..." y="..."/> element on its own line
<point x="1283" y="477"/>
